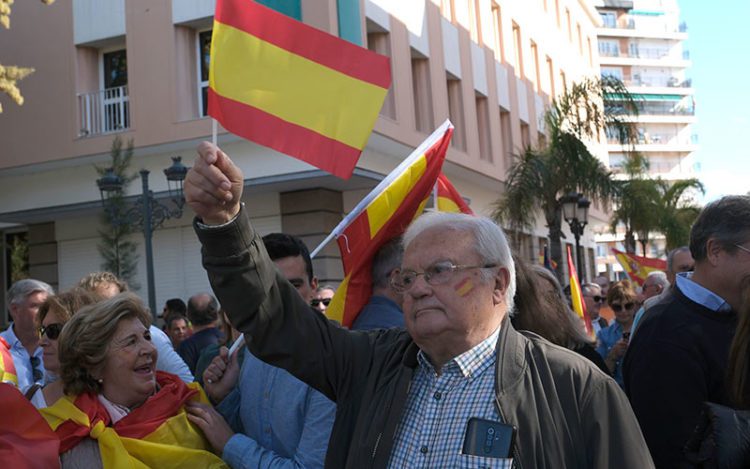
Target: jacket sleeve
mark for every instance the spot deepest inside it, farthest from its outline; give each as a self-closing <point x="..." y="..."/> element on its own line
<point x="613" y="437"/>
<point x="242" y="451"/>
<point x="279" y="326"/>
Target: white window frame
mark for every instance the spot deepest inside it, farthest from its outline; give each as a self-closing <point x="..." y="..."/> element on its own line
<point x="199" y="60"/>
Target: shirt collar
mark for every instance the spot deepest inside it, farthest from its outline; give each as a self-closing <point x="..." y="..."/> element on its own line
<point x="470" y="363"/>
<point x="700" y="294"/>
<point x="11" y="337"/>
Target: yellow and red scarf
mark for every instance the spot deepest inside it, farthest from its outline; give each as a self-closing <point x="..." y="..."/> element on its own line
<point x="26" y="441"/>
<point x="156" y="434"/>
<point x="7" y="368"/>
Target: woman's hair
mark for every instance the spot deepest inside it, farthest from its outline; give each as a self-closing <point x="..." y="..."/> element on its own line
<point x="621" y="291"/>
<point x="85" y="340"/>
<point x="91" y="281"/>
<point x="543" y="312"/>
<point x="739" y="355"/>
<point x="66" y="304"/>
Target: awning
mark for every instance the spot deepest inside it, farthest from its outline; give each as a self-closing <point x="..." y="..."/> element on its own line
<point x="646" y="97"/>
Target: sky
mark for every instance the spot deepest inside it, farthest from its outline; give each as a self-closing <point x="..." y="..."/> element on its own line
<point x="718" y="43"/>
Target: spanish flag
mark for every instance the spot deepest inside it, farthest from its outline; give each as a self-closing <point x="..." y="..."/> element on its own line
<point x="293" y="88"/>
<point x="7" y="368"/>
<point x="576" y="297"/>
<point x="638" y="267"/>
<point x="156" y="434"/>
<point x="448" y="198"/>
<point x="382" y="215"/>
<point x="26" y="441"/>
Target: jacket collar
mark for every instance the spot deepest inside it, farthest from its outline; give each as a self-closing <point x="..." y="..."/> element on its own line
<point x="511" y="361"/>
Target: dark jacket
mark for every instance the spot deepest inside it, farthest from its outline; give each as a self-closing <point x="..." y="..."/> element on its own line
<point x="676" y="361"/>
<point x="569" y="414"/>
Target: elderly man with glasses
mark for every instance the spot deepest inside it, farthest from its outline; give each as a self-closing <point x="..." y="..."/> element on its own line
<point x="678" y="358"/>
<point x="443" y="391"/>
<point x="24" y="299"/>
<point x="592" y="296"/>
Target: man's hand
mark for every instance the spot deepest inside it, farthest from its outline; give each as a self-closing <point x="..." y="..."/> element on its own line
<point x="213" y="186"/>
<point x="221" y="375"/>
<point x="618" y="350"/>
<point x="213" y="425"/>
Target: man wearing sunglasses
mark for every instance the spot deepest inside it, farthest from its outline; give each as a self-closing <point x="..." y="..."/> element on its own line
<point x="678" y="358"/>
<point x="24" y="299"/>
<point x="592" y="296"/>
<point x="384" y="309"/>
<point x="409" y="398"/>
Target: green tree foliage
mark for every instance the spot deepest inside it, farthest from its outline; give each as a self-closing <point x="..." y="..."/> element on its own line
<point x="678" y="210"/>
<point x="115" y="246"/>
<point x="538" y="177"/>
<point x="19" y="258"/>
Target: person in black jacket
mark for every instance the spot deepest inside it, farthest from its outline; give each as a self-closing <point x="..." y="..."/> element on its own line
<point x="678" y="359"/>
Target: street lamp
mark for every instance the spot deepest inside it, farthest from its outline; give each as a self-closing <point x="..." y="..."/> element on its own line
<point x="575" y="208"/>
<point x="147" y="213"/>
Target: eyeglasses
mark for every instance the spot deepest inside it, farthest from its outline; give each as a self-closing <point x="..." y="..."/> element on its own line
<point x="597" y="298"/>
<point x="316" y="302"/>
<point x="36" y="369"/>
<point x="618" y="307"/>
<point x="51" y="330"/>
<point x="436" y="274"/>
<point x="743" y="248"/>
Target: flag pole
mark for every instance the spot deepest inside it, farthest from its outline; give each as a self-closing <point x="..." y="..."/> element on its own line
<point x="362" y="205"/>
<point x="214" y="131"/>
<point x="435" y="197"/>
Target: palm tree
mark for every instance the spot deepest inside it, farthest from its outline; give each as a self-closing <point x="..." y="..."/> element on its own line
<point x="677" y="211"/>
<point x="539" y="176"/>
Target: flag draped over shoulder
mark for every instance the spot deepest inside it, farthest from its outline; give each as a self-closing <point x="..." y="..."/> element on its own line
<point x="384" y="214"/>
<point x="7" y="368"/>
<point x="26" y="441"/>
<point x="291" y="87"/>
<point x="576" y="297"/>
<point x="638" y="267"/>
<point x="448" y="198"/>
<point x="156" y="434"/>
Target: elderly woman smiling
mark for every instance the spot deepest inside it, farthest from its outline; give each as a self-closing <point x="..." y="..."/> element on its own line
<point x="117" y="406"/>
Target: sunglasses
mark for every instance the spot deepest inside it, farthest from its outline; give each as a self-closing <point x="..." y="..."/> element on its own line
<point x="619" y="307"/>
<point x="316" y="302"/>
<point x="597" y="298"/>
<point x="52" y="331"/>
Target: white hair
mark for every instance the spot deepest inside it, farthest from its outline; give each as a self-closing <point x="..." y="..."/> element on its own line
<point x="25" y="287"/>
<point x="660" y="278"/>
<point x="491" y="244"/>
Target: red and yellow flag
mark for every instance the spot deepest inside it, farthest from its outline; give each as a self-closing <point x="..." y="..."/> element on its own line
<point x="638" y="267"/>
<point x="7" y="368"/>
<point x="288" y="86"/>
<point x="576" y="297"/>
<point x="156" y="434"/>
<point x="382" y="215"/>
<point x="448" y="198"/>
<point x="26" y="441"/>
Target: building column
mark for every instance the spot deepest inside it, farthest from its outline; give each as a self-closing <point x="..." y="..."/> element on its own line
<point x="312" y="215"/>
<point x="43" y="253"/>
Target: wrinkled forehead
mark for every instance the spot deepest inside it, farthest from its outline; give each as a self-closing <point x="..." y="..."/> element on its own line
<point x="440" y="243"/>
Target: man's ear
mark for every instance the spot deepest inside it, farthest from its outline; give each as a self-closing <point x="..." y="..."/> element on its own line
<point x="314" y="283"/>
<point x="713" y="251"/>
<point x="502" y="280"/>
<point x="12" y="310"/>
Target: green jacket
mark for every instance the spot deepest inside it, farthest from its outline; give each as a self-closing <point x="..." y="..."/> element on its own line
<point x="569" y="414"/>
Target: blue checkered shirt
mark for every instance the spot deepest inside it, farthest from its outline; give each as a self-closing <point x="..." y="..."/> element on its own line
<point x="432" y="428"/>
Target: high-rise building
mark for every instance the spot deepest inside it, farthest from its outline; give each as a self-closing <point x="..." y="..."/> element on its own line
<point x="641" y="43"/>
<point x="138" y="70"/>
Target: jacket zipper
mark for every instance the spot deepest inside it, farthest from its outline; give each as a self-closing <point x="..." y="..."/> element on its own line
<point x="377" y="442"/>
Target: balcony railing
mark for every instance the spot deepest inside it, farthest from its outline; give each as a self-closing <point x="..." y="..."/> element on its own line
<point x="104" y="111"/>
<point x="671" y="82"/>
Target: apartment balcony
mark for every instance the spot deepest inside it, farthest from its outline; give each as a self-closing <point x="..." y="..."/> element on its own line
<point x="630" y="28"/>
<point x="673" y="84"/>
<point x="644" y="58"/>
<point x="658" y="143"/>
<point x="104" y="111"/>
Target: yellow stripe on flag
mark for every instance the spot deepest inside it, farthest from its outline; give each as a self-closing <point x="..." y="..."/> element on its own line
<point x="446" y="204"/>
<point x="381" y="209"/>
<point x="335" y="310"/>
<point x="296" y="90"/>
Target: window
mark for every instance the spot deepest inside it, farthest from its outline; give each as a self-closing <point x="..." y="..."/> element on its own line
<point x="456" y="112"/>
<point x="112" y="102"/>
<point x="615" y="72"/>
<point x="378" y="40"/>
<point x="609" y="48"/>
<point x="608" y="19"/>
<point x="591" y="53"/>
<point x="525" y="135"/>
<point x="115" y="66"/>
<point x="483" y="124"/>
<point x="204" y="61"/>
<point x="564" y="81"/>
<point x="517" y="45"/>
<point x="557" y="12"/>
<point x="535" y="64"/>
<point x="580" y="39"/>
<point x="570" y="25"/>
<point x="551" y="72"/>
<point x="422" y="89"/>
<point x="498" y="21"/>
<point x="506" y="134"/>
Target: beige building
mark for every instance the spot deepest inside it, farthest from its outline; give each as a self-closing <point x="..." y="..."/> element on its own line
<point x="137" y="69"/>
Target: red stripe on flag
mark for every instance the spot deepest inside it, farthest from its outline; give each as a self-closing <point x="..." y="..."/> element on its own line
<point x="313" y="44"/>
<point x="268" y="130"/>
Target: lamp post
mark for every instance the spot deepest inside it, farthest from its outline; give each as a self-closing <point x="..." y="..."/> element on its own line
<point x="147" y="213"/>
<point x="575" y="209"/>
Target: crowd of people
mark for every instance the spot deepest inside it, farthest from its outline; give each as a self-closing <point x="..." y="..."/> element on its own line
<point x="461" y="344"/>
